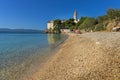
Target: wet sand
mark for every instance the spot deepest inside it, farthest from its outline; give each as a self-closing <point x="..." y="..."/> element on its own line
<point x="88" y="56"/>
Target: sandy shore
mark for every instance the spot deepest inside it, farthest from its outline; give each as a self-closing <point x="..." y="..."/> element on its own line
<point x="90" y="56"/>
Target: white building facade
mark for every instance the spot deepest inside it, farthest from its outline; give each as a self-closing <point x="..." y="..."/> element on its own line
<point x="50" y="25"/>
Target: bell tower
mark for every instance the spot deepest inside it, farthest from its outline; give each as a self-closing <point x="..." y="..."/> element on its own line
<point x="75" y="16"/>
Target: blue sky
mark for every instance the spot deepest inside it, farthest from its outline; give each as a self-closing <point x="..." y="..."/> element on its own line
<point x="34" y="14"/>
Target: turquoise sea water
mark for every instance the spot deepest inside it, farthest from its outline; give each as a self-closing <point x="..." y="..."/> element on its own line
<point x="21" y="53"/>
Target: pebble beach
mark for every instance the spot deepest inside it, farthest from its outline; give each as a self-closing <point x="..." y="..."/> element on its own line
<point x="87" y="56"/>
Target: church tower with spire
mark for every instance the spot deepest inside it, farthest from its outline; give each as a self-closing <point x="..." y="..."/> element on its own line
<point x="75" y="16"/>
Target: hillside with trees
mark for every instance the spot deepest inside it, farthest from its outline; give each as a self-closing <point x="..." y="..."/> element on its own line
<point x="102" y="23"/>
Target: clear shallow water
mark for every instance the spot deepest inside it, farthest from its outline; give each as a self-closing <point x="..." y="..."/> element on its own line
<point x="20" y="53"/>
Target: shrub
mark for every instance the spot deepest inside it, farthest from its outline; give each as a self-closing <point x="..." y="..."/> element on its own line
<point x="99" y="27"/>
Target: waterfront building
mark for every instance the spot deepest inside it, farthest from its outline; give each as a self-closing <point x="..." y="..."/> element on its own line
<point x="50" y="24"/>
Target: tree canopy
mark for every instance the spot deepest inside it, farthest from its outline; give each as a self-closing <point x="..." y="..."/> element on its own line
<point x="88" y="23"/>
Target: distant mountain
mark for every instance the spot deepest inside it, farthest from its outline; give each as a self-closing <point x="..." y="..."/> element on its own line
<point x="7" y="30"/>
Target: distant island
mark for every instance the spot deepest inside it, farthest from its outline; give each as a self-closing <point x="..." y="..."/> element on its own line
<point x="7" y="30"/>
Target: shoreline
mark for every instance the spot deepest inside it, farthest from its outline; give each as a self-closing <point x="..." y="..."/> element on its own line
<point x="47" y="57"/>
<point x="90" y="56"/>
